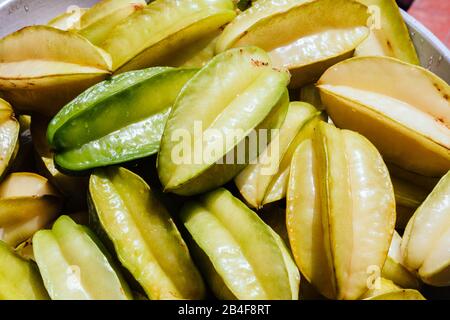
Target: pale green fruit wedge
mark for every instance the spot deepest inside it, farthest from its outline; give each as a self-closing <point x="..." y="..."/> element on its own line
<point x="298" y="35"/>
<point x="97" y="22"/>
<point x="74" y="265"/>
<point x="164" y="27"/>
<point x="28" y="202"/>
<point x="19" y="278"/>
<point x="389" y="35"/>
<point x="266" y="180"/>
<point x="215" y="126"/>
<point x="42" y="68"/>
<point x="69" y="19"/>
<point x="144" y="236"/>
<point x="340" y="211"/>
<point x="426" y="241"/>
<point x="393" y="268"/>
<point x="380" y="98"/>
<point x="70" y="186"/>
<point x="9" y="136"/>
<point x="245" y="254"/>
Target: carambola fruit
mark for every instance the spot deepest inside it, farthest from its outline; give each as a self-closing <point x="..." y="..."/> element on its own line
<point x="19" y="277"/>
<point x="394" y="268"/>
<point x="143" y="235"/>
<point x="340" y="211"/>
<point x="74" y="264"/>
<point x="28" y="203"/>
<point x="71" y="187"/>
<point x="42" y="68"/>
<point x="9" y="136"/>
<point x="426" y="241"/>
<point x="117" y="120"/>
<point x="385" y="289"/>
<point x="230" y="100"/>
<point x="389" y="35"/>
<point x="241" y="256"/>
<point x="162" y="28"/>
<point x="401" y="108"/>
<point x="266" y="180"/>
<point x="298" y="35"/>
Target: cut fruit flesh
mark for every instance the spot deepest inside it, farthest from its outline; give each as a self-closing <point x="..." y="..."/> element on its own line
<point x="236" y="93"/>
<point x="352" y="92"/>
<point x="73" y="266"/>
<point x="164" y="26"/>
<point x="136" y="105"/>
<point x="245" y="253"/>
<point x="316" y="41"/>
<point x="27" y="203"/>
<point x="340" y="178"/>
<point x="389" y="35"/>
<point x="144" y="236"/>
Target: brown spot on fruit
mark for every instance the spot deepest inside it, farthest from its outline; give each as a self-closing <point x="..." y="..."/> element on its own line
<point x="259" y="63"/>
<point x="437" y="86"/>
<point x="388" y="43"/>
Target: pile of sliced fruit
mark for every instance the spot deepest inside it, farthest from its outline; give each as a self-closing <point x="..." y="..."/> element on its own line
<point x="133" y="165"/>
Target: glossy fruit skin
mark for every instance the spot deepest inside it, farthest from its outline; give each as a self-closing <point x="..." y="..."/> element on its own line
<point x="28" y="203"/>
<point x="136" y="105"/>
<point x="75" y="265"/>
<point x="390" y="38"/>
<point x="332" y="219"/>
<point x="402" y="140"/>
<point x="19" y="278"/>
<point x="240" y="255"/>
<point x="139" y="229"/>
<point x="162" y="28"/>
<point x="426" y="238"/>
<point x="314" y="42"/>
<point x="9" y="137"/>
<point x="253" y="97"/>
<point x="65" y="65"/>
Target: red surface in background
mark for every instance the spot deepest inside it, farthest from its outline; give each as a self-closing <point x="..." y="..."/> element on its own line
<point x="435" y="15"/>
